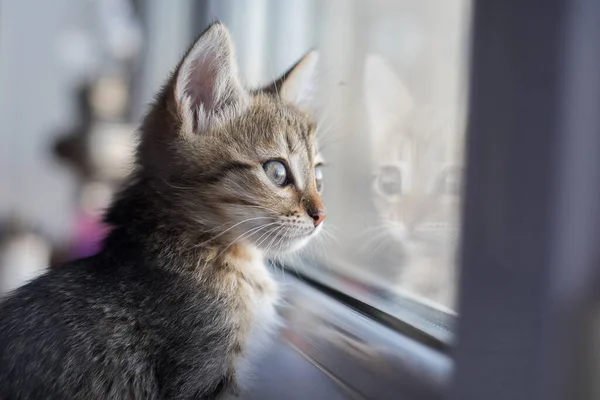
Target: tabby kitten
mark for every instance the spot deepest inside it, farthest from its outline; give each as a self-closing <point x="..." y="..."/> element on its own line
<point x="179" y="295"/>
<point x="416" y="185"/>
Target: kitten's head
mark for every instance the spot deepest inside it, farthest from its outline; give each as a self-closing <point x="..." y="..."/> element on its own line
<point x="236" y="165"/>
<point x="416" y="171"/>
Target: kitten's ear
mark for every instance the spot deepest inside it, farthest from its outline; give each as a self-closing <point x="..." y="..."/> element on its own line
<point x="387" y="99"/>
<point x="297" y="85"/>
<point x="207" y="88"/>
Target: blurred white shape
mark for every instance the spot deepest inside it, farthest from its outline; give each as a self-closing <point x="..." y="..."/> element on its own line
<point x="95" y="197"/>
<point x="22" y="258"/>
<point x="120" y="29"/>
<point x="109" y="97"/>
<point x="111" y="149"/>
<point x="78" y="54"/>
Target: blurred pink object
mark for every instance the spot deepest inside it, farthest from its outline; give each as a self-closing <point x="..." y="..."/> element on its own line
<point x="89" y="233"/>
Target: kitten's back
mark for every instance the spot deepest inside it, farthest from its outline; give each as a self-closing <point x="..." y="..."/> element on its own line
<point x="92" y="333"/>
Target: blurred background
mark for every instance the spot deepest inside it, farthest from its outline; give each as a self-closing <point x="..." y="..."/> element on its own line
<point x="77" y="75"/>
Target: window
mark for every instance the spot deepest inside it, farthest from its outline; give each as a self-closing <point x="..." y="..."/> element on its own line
<point x="391" y="104"/>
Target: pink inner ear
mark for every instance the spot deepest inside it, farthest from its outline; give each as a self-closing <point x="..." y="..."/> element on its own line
<point x="211" y="84"/>
<point x="207" y="83"/>
<point x="201" y="82"/>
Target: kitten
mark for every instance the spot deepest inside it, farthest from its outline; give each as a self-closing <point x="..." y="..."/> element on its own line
<point x="416" y="186"/>
<point x="179" y="294"/>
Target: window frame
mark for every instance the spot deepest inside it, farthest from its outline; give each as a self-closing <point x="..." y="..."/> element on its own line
<point x="531" y="209"/>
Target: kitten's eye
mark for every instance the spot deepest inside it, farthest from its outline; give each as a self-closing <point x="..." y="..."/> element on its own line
<point x="389" y="182"/>
<point x="276" y="172"/>
<point x="319" y="178"/>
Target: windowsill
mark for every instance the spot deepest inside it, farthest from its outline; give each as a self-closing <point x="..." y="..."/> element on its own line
<point x="423" y="321"/>
<point x="360" y="353"/>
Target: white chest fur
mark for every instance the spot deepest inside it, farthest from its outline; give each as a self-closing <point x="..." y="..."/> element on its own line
<point x="257" y="296"/>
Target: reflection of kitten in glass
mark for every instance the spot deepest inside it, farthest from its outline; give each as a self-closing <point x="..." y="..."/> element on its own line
<point x="416" y="184"/>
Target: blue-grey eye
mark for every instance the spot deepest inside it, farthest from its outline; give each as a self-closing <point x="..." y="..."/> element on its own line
<point x="319" y="178"/>
<point x="276" y="172"/>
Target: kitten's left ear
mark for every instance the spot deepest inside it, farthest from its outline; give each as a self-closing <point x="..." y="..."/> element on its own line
<point x="297" y="85"/>
<point x="207" y="87"/>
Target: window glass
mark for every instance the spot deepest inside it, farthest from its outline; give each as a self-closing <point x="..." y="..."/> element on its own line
<point x="390" y="105"/>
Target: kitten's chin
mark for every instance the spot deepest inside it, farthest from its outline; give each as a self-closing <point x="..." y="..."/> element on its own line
<point x="292" y="245"/>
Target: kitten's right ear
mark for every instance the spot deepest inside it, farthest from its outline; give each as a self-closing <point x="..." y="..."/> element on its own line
<point x="207" y="88"/>
<point x="297" y="85"/>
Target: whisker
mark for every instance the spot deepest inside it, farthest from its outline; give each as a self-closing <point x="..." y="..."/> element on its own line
<point x="177" y="187"/>
<point x="245" y="235"/>
<point x="329" y="235"/>
<point x="260" y="242"/>
<point x="272" y="239"/>
<point x="275" y="237"/>
<point x="230" y="228"/>
<point x="330" y="226"/>
<point x="272" y="71"/>
<point x="281" y="239"/>
<point x="261" y="207"/>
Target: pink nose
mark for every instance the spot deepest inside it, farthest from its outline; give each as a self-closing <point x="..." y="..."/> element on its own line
<point x="318" y="216"/>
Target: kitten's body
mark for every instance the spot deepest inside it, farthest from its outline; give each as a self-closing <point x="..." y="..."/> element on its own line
<point x="177" y="298"/>
<point x="165" y="320"/>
